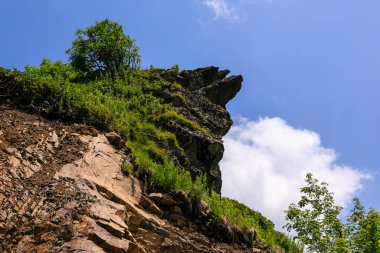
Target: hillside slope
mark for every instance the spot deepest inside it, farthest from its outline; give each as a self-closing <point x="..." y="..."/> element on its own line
<point x="139" y="173"/>
<point x="62" y="190"/>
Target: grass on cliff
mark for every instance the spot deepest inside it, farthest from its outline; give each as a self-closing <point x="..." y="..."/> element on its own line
<point x="245" y="217"/>
<point x="130" y="108"/>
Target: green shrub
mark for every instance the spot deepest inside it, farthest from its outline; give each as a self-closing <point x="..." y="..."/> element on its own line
<point x="52" y="70"/>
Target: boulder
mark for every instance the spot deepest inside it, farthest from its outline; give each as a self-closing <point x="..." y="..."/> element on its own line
<point x="115" y="139"/>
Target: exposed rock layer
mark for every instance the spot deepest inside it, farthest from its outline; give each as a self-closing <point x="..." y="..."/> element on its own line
<point x="61" y="190"/>
<point x="202" y="99"/>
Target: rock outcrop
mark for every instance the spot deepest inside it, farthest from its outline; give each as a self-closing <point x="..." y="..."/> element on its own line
<point x="206" y="91"/>
<point x="201" y="98"/>
<point x="62" y="190"/>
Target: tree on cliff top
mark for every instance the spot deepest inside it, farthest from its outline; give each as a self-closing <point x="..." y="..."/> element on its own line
<point x="103" y="49"/>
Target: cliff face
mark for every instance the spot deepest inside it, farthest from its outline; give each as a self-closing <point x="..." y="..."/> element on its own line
<point x="201" y="97"/>
<point x="62" y="188"/>
<point x="206" y="92"/>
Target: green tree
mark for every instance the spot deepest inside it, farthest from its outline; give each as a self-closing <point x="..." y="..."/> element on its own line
<point x="315" y="219"/>
<point x="353" y="226"/>
<point x="103" y="49"/>
<point x="369" y="233"/>
<point x="363" y="229"/>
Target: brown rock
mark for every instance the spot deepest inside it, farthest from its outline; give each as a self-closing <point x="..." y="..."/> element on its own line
<point x="177" y="210"/>
<point x="149" y="205"/>
<point x="106" y="241"/>
<point x="81" y="245"/>
<point x="156" y="197"/>
<point x="74" y="198"/>
<point x="168" y="201"/>
<point x="115" y="139"/>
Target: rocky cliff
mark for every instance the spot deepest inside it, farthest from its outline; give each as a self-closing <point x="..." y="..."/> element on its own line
<point x="206" y="92"/>
<point x="62" y="188"/>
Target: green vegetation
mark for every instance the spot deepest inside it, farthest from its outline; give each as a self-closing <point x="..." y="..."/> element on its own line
<point x="104" y="49"/>
<point x="49" y="70"/>
<point x="245" y="217"/>
<point x="117" y="96"/>
<point x="363" y="229"/>
<point x="127" y="168"/>
<point x="315" y="220"/>
<point x="138" y="116"/>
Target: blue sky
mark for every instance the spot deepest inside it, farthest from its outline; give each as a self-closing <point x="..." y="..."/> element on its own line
<point x="308" y="66"/>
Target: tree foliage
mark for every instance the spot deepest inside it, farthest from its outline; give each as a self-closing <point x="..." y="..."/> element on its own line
<point x="103" y="49"/>
<point x="315" y="220"/>
<point x="353" y="226"/>
<point x="363" y="229"/>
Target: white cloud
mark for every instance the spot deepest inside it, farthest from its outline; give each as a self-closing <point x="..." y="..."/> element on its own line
<point x="230" y="10"/>
<point x="266" y="161"/>
<point x="221" y="9"/>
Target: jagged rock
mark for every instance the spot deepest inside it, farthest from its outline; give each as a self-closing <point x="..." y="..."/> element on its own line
<point x="80" y="201"/>
<point x="107" y="241"/>
<point x="156" y="196"/>
<point x="149" y="205"/>
<point x="203" y="208"/>
<point x="115" y="139"/>
<point x="233" y="233"/>
<point x="168" y="201"/>
<point x="82" y="245"/>
<point x="113" y="228"/>
<point x="62" y="190"/>
<point x="212" y="83"/>
<point x="224" y="90"/>
<point x="206" y="91"/>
